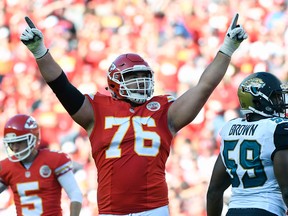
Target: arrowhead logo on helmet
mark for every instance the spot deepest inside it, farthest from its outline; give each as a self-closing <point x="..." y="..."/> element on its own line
<point x="30" y="123"/>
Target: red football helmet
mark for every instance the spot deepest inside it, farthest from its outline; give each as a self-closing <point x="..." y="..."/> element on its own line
<point x="20" y="128"/>
<point x="124" y="81"/>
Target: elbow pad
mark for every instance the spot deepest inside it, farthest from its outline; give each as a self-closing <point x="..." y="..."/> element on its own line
<point x="69" y="96"/>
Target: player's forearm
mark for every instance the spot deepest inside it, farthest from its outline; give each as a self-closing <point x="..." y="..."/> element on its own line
<point x="284" y="192"/>
<point x="215" y="72"/>
<point x="69" y="184"/>
<point x="49" y="68"/>
<point x="75" y="208"/>
<point x="214" y="207"/>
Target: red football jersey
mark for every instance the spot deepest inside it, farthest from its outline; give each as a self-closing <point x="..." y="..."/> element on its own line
<point x="36" y="190"/>
<point x="130" y="147"/>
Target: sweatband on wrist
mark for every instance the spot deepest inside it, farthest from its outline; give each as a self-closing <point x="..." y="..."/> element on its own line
<point x="41" y="56"/>
<point x="224" y="53"/>
<point x="69" y="96"/>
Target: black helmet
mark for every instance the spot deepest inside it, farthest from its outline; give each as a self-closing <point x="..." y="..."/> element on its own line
<point x="264" y="94"/>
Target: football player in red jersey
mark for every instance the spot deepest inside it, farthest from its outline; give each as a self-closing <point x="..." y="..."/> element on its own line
<point x="36" y="177"/>
<point x="131" y="132"/>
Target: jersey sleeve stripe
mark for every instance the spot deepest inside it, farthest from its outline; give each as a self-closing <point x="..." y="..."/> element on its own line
<point x="63" y="169"/>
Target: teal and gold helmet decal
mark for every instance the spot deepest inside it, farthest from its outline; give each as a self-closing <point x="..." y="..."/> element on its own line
<point x="262" y="93"/>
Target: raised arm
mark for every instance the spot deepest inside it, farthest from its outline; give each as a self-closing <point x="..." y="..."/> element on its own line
<point x="76" y="104"/>
<point x="187" y="106"/>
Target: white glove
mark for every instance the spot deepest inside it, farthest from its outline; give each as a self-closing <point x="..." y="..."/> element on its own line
<point x="235" y="35"/>
<point x="33" y="39"/>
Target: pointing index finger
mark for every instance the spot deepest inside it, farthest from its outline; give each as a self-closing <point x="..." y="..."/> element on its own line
<point x="29" y="22"/>
<point x="234" y="21"/>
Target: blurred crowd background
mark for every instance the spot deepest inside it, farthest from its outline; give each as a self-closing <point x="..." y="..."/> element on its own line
<point x="178" y="38"/>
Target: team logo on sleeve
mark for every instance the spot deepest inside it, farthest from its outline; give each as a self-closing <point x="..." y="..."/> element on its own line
<point x="153" y="106"/>
<point x="45" y="171"/>
<point x="170" y="98"/>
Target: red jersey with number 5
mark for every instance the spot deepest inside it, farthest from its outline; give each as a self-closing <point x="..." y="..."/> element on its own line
<point x="36" y="189"/>
<point x="130" y="147"/>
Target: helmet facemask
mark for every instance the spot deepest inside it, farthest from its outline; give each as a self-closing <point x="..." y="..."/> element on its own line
<point x="31" y="141"/>
<point x="280" y="100"/>
<point x="137" y="89"/>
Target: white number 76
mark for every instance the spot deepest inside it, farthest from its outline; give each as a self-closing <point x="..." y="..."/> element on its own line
<point x="114" y="150"/>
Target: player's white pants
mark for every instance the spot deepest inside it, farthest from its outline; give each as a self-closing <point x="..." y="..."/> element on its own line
<point x="161" y="211"/>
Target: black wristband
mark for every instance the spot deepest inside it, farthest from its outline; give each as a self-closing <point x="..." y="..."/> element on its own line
<point x="69" y="96"/>
<point x="43" y="55"/>
<point x="224" y="53"/>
